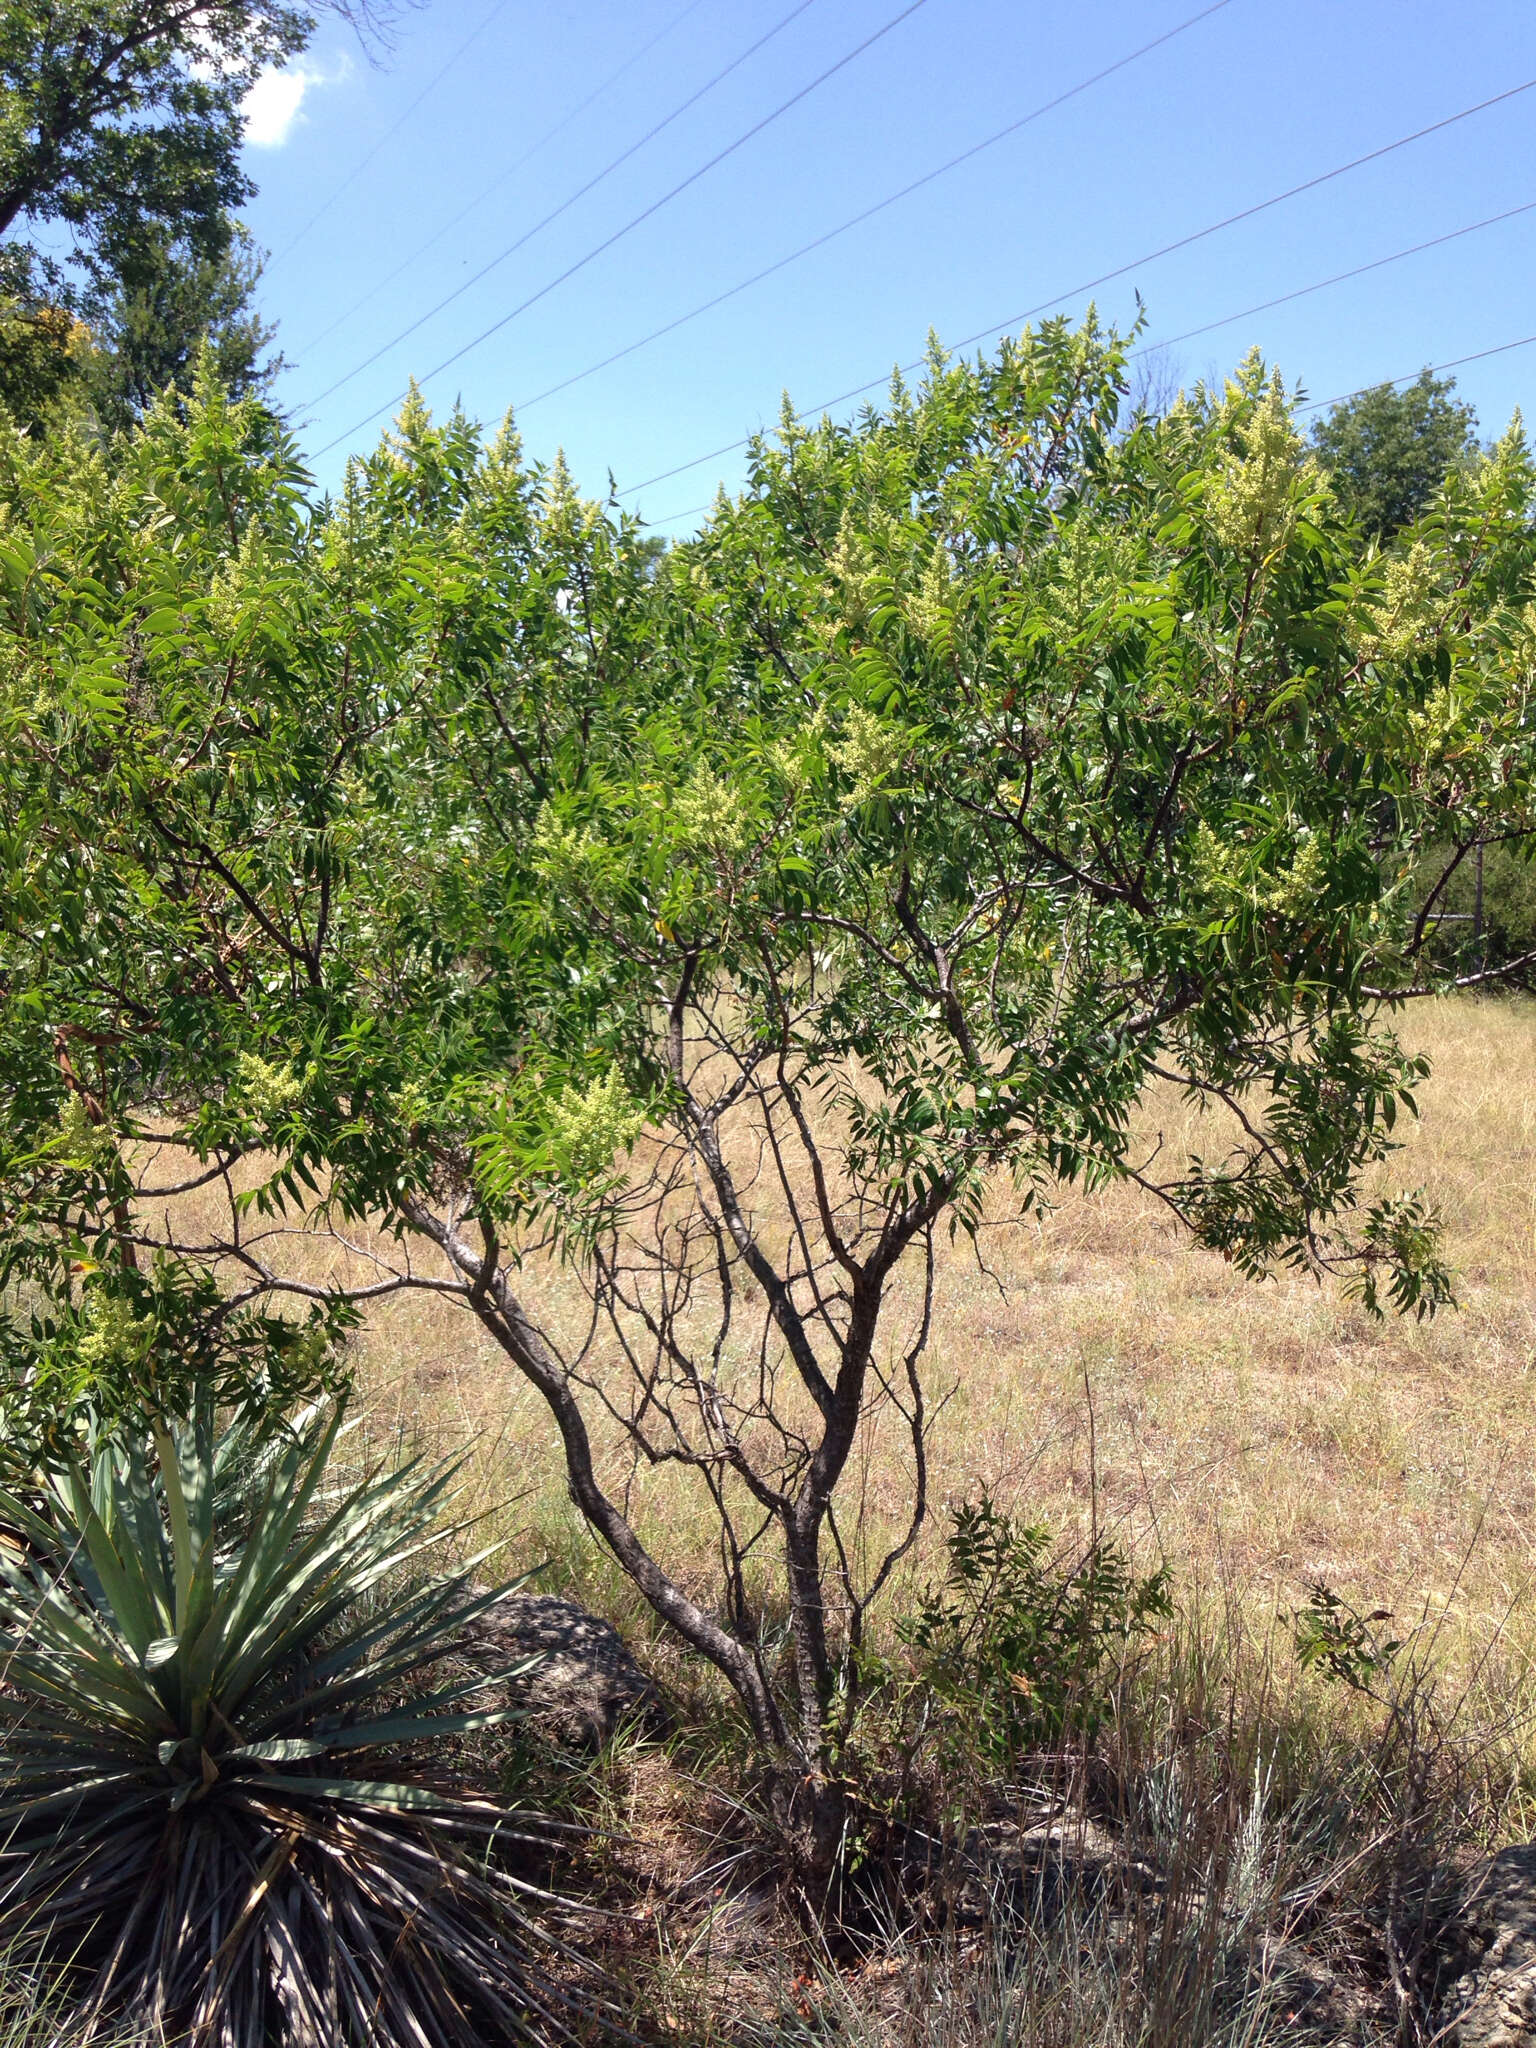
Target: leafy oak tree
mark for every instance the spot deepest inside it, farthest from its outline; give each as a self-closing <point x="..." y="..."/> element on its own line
<point x="118" y="112"/>
<point x="120" y="136"/>
<point x="712" y="939"/>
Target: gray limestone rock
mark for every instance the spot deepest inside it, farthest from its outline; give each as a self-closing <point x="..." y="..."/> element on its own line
<point x="1493" y="2004"/>
<point x="586" y="1682"/>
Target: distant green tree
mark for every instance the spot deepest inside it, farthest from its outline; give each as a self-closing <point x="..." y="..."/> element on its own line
<point x="121" y="117"/>
<point x="167" y="303"/>
<point x="1480" y="903"/>
<point x="1387" y="452"/>
<point x="146" y="334"/>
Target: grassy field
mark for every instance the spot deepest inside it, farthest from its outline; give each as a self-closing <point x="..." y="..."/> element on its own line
<point x="1257" y="1438"/>
<point x="1257" y="1435"/>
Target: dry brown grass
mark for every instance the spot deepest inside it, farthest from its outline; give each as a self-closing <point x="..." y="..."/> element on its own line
<point x="1257" y="1436"/>
<point x="1263" y="1434"/>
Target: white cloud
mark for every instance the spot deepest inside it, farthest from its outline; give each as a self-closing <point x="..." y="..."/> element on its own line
<point x="272" y="105"/>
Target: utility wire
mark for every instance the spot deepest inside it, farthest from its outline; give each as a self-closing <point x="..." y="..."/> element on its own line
<point x="1121" y="270"/>
<point x="1339" y="277"/>
<point x="390" y="133"/>
<point x="567" y="203"/>
<point x="880" y="206"/>
<point x="645" y="214"/>
<point x="507" y="171"/>
<point x="1434" y="369"/>
<point x="1481" y="355"/>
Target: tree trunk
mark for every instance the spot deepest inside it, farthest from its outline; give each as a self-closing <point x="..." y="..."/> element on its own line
<point x="502" y="1316"/>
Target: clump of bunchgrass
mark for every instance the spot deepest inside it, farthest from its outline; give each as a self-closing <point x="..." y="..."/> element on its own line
<point x="1260" y="1827"/>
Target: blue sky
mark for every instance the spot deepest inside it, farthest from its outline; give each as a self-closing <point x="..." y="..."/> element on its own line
<point x="1254" y="98"/>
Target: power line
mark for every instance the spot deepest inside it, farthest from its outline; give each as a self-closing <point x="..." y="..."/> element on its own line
<point x="501" y="177"/>
<point x="1428" y="369"/>
<point x="1434" y="369"/>
<point x="869" y="212"/>
<point x="1120" y="270"/>
<point x="1493" y="220"/>
<point x="645" y="214"/>
<point x="688" y="512"/>
<point x="1481" y="355"/>
<point x="567" y="203"/>
<point x="390" y="133"/>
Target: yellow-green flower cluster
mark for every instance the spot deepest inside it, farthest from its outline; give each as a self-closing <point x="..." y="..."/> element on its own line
<point x="1251" y="500"/>
<point x="570" y="860"/>
<point x="1407" y="620"/>
<point x="793" y="758"/>
<point x="413" y="1104"/>
<point x="869" y="751"/>
<point x="82" y="1141"/>
<point x="111" y="1336"/>
<point x="855" y="568"/>
<point x="230" y="593"/>
<point x="413" y="424"/>
<point x="307" y="1351"/>
<point x="1295" y="893"/>
<point x="709" y="815"/>
<point x="928" y="607"/>
<point x="1504" y="460"/>
<point x="566" y="515"/>
<point x="589" y="1125"/>
<point x="1438" y="729"/>
<point x="1088" y="571"/>
<point x="1222" y="874"/>
<point x="263" y="1091"/>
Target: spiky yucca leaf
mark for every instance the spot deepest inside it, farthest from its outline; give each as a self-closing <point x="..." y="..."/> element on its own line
<point x="186" y="1805"/>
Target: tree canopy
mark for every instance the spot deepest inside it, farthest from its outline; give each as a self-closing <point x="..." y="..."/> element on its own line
<point x="122" y="115"/>
<point x="1388" y="451"/>
<point x="710" y="935"/>
<point x="120" y="137"/>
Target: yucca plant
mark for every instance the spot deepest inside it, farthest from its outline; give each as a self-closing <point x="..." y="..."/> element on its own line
<point x="189" y="1824"/>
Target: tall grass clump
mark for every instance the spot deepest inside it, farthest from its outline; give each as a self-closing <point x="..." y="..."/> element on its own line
<point x="1244" y="1827"/>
